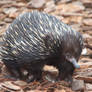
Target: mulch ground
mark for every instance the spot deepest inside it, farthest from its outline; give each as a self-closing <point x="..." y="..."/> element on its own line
<point x="78" y="14"/>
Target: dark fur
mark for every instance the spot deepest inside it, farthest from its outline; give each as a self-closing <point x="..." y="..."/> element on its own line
<point x="50" y="49"/>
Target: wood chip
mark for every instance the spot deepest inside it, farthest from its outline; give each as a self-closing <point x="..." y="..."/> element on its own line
<point x="9" y="10"/>
<point x="72" y="7"/>
<point x="89" y="87"/>
<point x="36" y="3"/>
<point x="10" y="86"/>
<point x="86" y="79"/>
<point x="78" y="85"/>
<point x="87" y="3"/>
<point x="20" y="83"/>
<point x="87" y="22"/>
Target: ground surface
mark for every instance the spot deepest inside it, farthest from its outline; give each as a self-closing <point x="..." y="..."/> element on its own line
<point x="78" y="14"/>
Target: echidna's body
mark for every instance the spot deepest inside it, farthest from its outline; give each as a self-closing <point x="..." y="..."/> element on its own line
<point x="36" y="39"/>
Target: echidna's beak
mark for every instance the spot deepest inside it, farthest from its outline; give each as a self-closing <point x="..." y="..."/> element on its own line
<point x="74" y="62"/>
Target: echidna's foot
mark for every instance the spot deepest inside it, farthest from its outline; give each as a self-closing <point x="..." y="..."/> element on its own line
<point x="69" y="79"/>
<point x="34" y="76"/>
<point x="49" y="78"/>
<point x="64" y="76"/>
<point x="30" y="79"/>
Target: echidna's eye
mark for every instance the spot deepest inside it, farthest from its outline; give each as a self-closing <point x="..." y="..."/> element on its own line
<point x="68" y="55"/>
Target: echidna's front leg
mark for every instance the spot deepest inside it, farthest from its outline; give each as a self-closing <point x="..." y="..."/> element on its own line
<point x="62" y="74"/>
<point x="65" y="71"/>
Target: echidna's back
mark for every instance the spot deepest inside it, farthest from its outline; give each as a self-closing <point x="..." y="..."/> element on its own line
<point x="24" y="37"/>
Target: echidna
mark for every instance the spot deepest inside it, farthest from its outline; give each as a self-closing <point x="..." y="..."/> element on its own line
<point x="35" y="39"/>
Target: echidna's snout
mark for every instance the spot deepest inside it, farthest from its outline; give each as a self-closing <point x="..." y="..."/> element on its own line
<point x="74" y="62"/>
